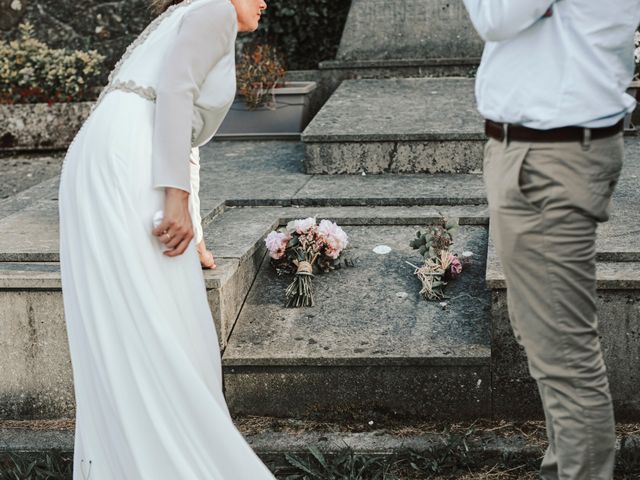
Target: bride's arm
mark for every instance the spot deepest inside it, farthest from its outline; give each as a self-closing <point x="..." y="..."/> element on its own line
<point x="203" y="38"/>
<point x="206" y="257"/>
<point x="205" y="34"/>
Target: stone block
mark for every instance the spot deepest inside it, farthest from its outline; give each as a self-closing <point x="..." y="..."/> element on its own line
<point x="408" y="29"/>
<point x="36" y="377"/>
<point x="41" y="126"/>
<point x="371" y="344"/>
<point x="360" y="392"/>
<point x="515" y="394"/>
<point x="394" y="157"/>
<point x="410" y="125"/>
<point x="227" y="287"/>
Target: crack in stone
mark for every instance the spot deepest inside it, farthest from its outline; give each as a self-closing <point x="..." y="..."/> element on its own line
<point x="393" y="154"/>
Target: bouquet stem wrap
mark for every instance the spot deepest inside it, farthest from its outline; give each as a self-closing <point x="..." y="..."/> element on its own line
<point x="299" y="293"/>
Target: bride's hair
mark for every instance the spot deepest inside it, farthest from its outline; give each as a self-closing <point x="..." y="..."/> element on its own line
<point x="159" y="6"/>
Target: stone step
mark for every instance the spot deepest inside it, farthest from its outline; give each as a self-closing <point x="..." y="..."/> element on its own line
<point x="497" y="447"/>
<point x="410" y="125"/>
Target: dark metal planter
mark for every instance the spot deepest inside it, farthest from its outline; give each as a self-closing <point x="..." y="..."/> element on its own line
<point x="289" y="117"/>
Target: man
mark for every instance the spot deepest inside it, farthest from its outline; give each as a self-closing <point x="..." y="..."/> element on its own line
<point x="552" y="87"/>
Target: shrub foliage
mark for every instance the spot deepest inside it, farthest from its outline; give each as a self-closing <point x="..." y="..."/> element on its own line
<point x="305" y="31"/>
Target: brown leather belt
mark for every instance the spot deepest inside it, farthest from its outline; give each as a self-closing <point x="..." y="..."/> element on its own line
<point x="519" y="133"/>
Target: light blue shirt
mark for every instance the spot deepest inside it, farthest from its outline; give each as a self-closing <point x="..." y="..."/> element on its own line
<point x="570" y="68"/>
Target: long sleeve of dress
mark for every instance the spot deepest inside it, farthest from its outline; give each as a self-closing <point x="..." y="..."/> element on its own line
<point x="194" y="198"/>
<point x="203" y="38"/>
<point x="498" y="20"/>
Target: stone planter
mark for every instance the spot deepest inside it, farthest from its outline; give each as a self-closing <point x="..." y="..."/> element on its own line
<point x="287" y="120"/>
<point x="41" y="126"/>
<point x="633" y="118"/>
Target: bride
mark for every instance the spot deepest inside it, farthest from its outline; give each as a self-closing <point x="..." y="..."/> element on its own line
<point x="144" y="350"/>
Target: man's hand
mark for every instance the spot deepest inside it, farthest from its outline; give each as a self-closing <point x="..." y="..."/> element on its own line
<point x="176" y="229"/>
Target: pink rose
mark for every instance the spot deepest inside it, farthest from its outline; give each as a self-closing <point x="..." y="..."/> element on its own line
<point x="455" y="266"/>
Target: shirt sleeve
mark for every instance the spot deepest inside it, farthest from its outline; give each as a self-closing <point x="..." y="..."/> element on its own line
<point x="498" y="20"/>
<point x="205" y="34"/>
<point x="194" y="198"/>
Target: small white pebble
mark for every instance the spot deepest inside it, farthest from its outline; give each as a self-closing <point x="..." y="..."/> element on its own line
<point x="443" y="304"/>
<point x="99" y="29"/>
<point x="382" y="249"/>
<point x="364" y="174"/>
<point x="467" y="254"/>
<point x="16" y="5"/>
<point x="370" y="422"/>
<point x="479" y="383"/>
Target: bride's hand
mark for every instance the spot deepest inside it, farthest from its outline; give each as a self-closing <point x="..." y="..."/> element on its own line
<point x="176" y="229"/>
<point x="206" y="257"/>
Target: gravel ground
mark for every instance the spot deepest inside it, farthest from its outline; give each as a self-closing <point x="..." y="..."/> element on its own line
<point x="19" y="172"/>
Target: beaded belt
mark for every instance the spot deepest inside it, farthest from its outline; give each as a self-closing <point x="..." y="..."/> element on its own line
<point x="147" y="93"/>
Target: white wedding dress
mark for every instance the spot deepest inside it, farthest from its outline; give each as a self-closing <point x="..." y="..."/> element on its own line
<point x="144" y="351"/>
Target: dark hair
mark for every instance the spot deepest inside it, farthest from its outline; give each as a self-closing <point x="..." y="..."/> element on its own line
<point x="159" y="6"/>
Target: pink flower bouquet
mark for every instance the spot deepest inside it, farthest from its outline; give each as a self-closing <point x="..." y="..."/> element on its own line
<point x="305" y="248"/>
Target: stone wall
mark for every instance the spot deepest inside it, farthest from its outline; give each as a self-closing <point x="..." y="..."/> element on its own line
<point x="107" y="26"/>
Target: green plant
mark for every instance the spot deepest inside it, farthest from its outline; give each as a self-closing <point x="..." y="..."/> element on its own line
<point x="347" y="465"/>
<point x="52" y="465"/>
<point x="32" y="72"/>
<point x="306" y="31"/>
<point x="258" y="72"/>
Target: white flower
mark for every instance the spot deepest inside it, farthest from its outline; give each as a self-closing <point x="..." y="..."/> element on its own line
<point x="301" y="226"/>
<point x="277" y="243"/>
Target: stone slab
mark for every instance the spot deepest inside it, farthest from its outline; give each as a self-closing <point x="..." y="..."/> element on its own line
<point x="282" y="361"/>
<point x="618" y="240"/>
<point x="393" y="189"/>
<point x="621" y="275"/>
<point x="18" y="173"/>
<point x="46" y="190"/>
<point x="260" y="171"/>
<point x="410" y="125"/>
<point x="398" y="109"/>
<point x="30" y="276"/>
<point x="403" y="29"/>
<point x="31" y="233"/>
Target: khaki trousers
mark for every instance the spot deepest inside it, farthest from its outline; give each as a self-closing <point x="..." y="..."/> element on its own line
<point x="545" y="200"/>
